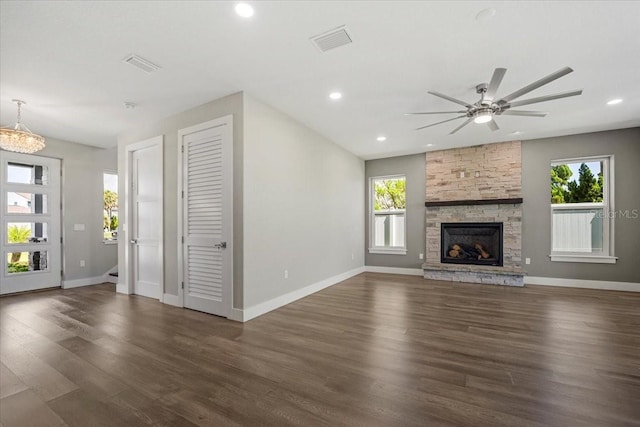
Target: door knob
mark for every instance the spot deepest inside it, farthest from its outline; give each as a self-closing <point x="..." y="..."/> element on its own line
<point x="134" y="241"/>
<point x="221" y="245"/>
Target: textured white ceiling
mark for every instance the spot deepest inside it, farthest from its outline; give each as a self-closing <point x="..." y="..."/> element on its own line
<point x="64" y="59"/>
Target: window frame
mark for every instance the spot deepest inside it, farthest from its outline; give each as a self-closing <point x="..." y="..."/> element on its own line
<point x="606" y="256"/>
<point x="110" y="172"/>
<point x="386" y="250"/>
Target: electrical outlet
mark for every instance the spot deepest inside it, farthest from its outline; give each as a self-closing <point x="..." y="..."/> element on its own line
<point x="527" y="261"/>
<point x="286" y="274"/>
<point x="353" y="257"/>
<point x="461" y="174"/>
<point x="82" y="263"/>
<point x="421" y="256"/>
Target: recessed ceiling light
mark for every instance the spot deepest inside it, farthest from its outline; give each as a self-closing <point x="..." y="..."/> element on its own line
<point x="245" y="10"/>
<point x="381" y="138"/>
<point x="517" y="132"/>
<point x="130" y="105"/>
<point x="615" y="101"/>
<point x="335" y="95"/>
<point x="430" y="145"/>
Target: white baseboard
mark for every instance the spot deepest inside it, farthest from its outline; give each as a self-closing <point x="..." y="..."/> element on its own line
<point x="272" y="304"/>
<point x="394" y="270"/>
<point x="237" y="315"/>
<point x="173" y="300"/>
<point x="578" y="283"/>
<point x="87" y="281"/>
<point x="122" y="288"/>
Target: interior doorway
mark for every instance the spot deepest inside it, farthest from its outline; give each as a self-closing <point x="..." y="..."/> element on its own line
<point x="144" y="218"/>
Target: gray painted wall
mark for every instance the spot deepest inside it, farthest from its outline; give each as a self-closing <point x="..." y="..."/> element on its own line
<point x="169" y="127"/>
<point x="537" y="155"/>
<point x="82" y="186"/>
<point x="303" y="208"/>
<point x="413" y="167"/>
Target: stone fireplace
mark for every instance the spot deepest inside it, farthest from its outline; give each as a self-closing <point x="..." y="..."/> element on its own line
<point x="473" y="201"/>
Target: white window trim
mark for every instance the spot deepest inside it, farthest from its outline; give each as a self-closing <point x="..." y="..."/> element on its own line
<point x="384" y="249"/>
<point x="608" y="203"/>
<point x="388" y="251"/>
<point x="595" y="259"/>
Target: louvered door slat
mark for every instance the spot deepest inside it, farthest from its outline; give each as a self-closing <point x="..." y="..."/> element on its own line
<point x="205" y="280"/>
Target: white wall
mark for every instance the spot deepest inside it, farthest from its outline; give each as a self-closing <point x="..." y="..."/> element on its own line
<point x="303" y="206"/>
<point x="169" y="127"/>
<point x="298" y="201"/>
<point x="82" y="187"/>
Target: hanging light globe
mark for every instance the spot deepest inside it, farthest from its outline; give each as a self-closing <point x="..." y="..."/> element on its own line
<point x="20" y="139"/>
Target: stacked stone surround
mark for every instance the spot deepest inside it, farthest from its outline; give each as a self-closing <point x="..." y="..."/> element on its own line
<point x="492" y="171"/>
<point x="486" y="172"/>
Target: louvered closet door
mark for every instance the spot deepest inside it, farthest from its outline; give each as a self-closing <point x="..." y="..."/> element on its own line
<point x="207" y="217"/>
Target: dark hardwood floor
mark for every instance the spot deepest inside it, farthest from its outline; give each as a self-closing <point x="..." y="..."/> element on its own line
<point x="375" y="350"/>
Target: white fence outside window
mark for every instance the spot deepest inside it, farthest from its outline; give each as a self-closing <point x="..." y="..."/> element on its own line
<point x="389" y="228"/>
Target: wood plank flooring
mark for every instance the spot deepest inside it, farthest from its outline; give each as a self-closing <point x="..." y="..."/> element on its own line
<point x="375" y="350"/>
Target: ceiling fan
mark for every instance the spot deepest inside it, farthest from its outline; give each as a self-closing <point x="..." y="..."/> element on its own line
<point x="486" y="108"/>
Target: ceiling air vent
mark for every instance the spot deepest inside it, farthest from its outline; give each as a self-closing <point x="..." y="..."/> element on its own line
<point x="141" y="63"/>
<point x="332" y="39"/>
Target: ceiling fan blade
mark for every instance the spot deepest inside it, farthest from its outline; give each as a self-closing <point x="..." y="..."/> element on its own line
<point x="436" y="112"/>
<point x="524" y="113"/>
<point x="461" y="126"/>
<point x="448" y="98"/>
<point x="545" y="98"/>
<point x="444" y="121"/>
<point x="493" y="125"/>
<point x="535" y="85"/>
<point x="496" y="79"/>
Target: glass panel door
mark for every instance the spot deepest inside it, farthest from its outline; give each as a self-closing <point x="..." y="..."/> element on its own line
<point x="30" y="222"/>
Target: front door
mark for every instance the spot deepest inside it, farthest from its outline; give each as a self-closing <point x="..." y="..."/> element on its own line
<point x="146" y="227"/>
<point x="207" y="161"/>
<point x="30" y="218"/>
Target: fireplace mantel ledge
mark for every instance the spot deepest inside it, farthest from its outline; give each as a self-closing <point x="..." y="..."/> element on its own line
<point x="512" y="201"/>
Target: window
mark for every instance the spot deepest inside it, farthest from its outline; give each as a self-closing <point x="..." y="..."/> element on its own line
<point x="581" y="207"/>
<point x="110" y="198"/>
<point x="387" y="219"/>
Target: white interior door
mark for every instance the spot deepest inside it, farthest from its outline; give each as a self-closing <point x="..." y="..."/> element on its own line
<point x="30" y="217"/>
<point x="146" y="225"/>
<point x="207" y="165"/>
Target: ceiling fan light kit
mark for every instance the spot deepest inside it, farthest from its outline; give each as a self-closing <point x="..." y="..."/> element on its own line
<point x="483" y="116"/>
<point x="485" y="110"/>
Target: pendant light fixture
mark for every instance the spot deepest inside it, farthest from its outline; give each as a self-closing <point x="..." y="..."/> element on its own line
<point x="20" y="139"/>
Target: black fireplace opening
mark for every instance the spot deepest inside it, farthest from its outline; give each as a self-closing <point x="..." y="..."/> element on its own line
<point x="478" y="243"/>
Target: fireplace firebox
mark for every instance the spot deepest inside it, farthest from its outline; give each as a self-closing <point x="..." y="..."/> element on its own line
<point x="478" y="243"/>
